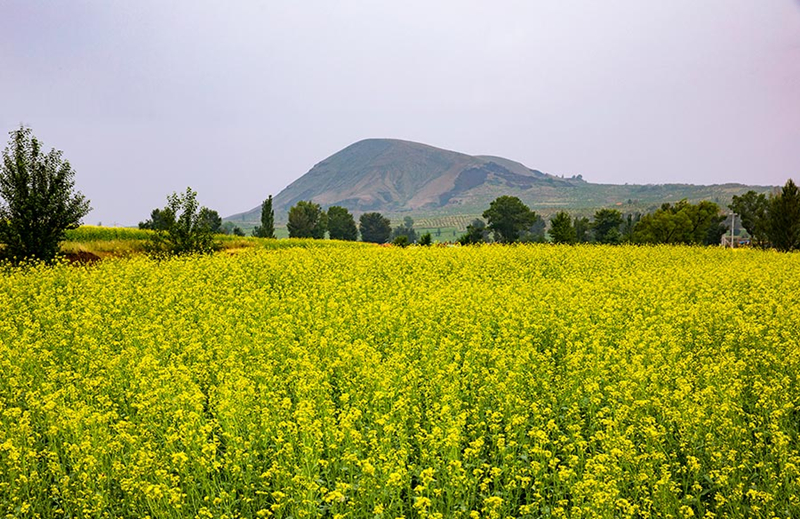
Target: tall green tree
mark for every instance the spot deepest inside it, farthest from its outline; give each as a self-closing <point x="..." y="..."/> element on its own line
<point x="267" y="227"/>
<point x="307" y="220"/>
<point x="606" y="226"/>
<point x="341" y="224"/>
<point x="374" y="227"/>
<point x="39" y="201"/>
<point x="508" y="218"/>
<point x="561" y="228"/>
<point x="784" y="218"/>
<point x="752" y="209"/>
<point x="187" y="229"/>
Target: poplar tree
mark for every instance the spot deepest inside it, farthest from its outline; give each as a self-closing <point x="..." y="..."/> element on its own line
<point x="39" y="201"/>
<point x="267" y="227"/>
<point x="784" y="218"/>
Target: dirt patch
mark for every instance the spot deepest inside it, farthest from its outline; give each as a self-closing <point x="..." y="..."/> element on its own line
<point x="82" y="257"/>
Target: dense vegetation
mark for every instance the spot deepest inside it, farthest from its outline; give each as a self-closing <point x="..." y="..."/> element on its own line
<point x="38" y="201"/>
<point x="523" y="381"/>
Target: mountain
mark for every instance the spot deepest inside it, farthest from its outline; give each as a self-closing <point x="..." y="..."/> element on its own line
<point x="391" y="175"/>
<point x="395" y="177"/>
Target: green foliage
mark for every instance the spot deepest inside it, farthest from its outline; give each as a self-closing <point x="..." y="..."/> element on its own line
<point x="210" y="219"/>
<point x="267" y="227"/>
<point x="406" y="229"/>
<point x="606" y="226"/>
<point x="39" y="203"/>
<point x="535" y="233"/>
<point x="189" y="229"/>
<point x="307" y="220"/>
<point x="160" y="220"/>
<point x="476" y="233"/>
<point x="341" y="224"/>
<point x="784" y="218"/>
<point x="425" y="240"/>
<point x="752" y="209"/>
<point x="401" y="241"/>
<point x="509" y="219"/>
<point x="629" y="224"/>
<point x="561" y="228"/>
<point x="583" y="229"/>
<point x="691" y="224"/>
<point x="374" y="228"/>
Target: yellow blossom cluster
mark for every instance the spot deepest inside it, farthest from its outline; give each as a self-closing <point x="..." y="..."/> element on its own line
<point x="493" y="381"/>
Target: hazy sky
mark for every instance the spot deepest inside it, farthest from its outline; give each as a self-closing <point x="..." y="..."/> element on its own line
<point x="238" y="99"/>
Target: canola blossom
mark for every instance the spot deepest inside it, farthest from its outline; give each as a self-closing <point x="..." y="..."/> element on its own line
<point x="527" y="381"/>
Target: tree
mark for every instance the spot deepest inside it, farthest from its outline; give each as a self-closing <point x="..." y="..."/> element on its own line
<point x="690" y="224"/>
<point x="606" y="226"/>
<point x="307" y="220"/>
<point x="784" y="218"/>
<point x="561" y="228"/>
<point x="188" y="229"/>
<point x="160" y="220"/>
<point x="341" y="224"/>
<point x="401" y="241"/>
<point x="582" y="229"/>
<point x="39" y="199"/>
<point x="508" y="218"/>
<point x="476" y="233"/>
<point x="752" y="209"/>
<point x="534" y="233"/>
<point x="374" y="227"/>
<point x="425" y="240"/>
<point x="267" y="227"/>
<point x="210" y="219"/>
<point x="629" y="226"/>
<point x="406" y="229"/>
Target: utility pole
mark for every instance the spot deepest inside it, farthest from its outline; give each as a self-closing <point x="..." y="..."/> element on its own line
<point x="733" y="227"/>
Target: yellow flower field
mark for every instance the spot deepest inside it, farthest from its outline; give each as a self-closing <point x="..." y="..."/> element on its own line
<point x="529" y="381"/>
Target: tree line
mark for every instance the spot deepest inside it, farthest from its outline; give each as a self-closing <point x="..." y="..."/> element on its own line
<point x="39" y="203"/>
<point x="772" y="221"/>
<point x="307" y="219"/>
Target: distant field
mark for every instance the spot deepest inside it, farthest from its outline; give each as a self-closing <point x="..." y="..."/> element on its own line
<point x="360" y="381"/>
<point x="108" y="242"/>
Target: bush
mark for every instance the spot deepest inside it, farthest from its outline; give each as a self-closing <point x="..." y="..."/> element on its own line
<point x="188" y="230"/>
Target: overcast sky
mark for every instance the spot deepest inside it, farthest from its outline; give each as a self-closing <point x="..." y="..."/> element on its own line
<point x="238" y="99"/>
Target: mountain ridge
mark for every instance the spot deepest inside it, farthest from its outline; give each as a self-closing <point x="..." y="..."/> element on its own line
<point x="395" y="176"/>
